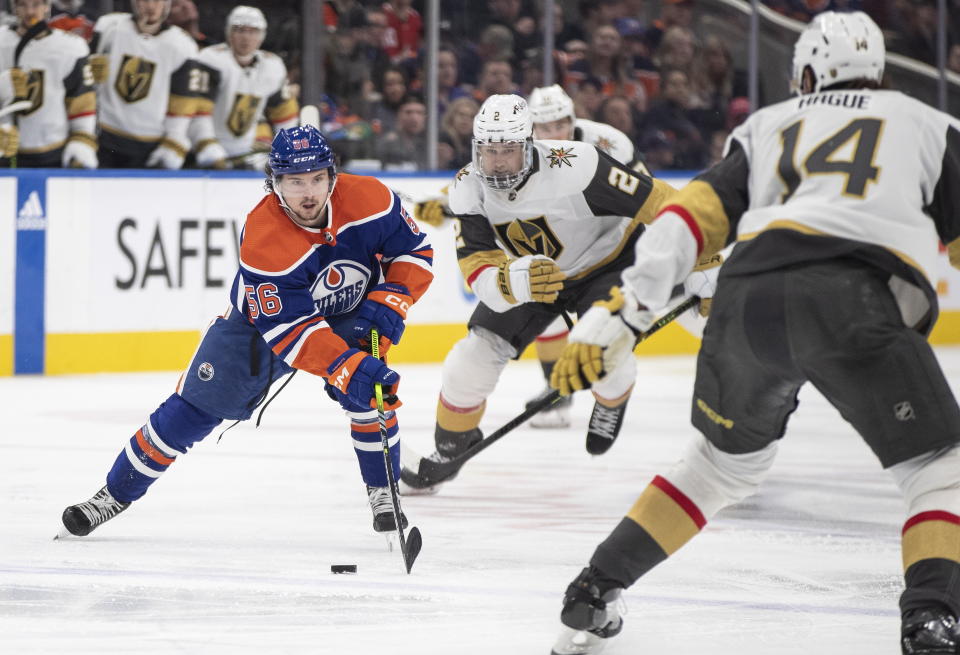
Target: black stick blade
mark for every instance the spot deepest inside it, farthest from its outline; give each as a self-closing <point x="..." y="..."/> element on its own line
<point x="414" y="544"/>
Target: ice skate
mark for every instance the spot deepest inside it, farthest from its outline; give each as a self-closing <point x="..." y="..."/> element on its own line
<point x="556" y="415"/>
<point x="932" y="631"/>
<point x="605" y="424"/>
<point x="592" y="613"/>
<point x="83" y="518"/>
<point x="450" y="445"/>
<point x="382" y="505"/>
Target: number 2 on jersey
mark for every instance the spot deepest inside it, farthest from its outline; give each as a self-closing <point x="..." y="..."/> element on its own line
<point x="859" y="169"/>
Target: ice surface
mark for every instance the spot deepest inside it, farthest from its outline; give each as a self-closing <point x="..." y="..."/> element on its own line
<point x="231" y="550"/>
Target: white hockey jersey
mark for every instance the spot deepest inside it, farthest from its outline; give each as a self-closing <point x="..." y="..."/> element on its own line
<point x="871" y="174"/>
<point x="150" y="78"/>
<point x="240" y="95"/>
<point x="605" y="137"/>
<point x="578" y="206"/>
<point x="59" y="86"/>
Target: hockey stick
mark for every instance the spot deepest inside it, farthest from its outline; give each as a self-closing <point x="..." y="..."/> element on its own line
<point x="13" y="107"/>
<point x="410" y="549"/>
<point x="431" y="472"/>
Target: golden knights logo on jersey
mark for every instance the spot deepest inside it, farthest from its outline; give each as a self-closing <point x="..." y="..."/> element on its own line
<point x="134" y="78"/>
<point x="560" y="156"/>
<point x="605" y="144"/>
<point x="531" y="236"/>
<point x="243" y="113"/>
<point x="34" y="91"/>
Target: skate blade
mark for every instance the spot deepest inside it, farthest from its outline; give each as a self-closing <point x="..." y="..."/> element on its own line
<point x="577" y="642"/>
<point x="63" y="534"/>
<point x="391" y="538"/>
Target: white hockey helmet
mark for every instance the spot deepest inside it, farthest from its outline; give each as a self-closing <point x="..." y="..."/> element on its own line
<point x="551" y="103"/>
<point x="503" y="119"/>
<point x="244" y="16"/>
<point x="839" y="47"/>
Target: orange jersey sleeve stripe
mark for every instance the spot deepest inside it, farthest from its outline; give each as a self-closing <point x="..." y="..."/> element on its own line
<point x="413" y="277"/>
<point x="294" y="333"/>
<point x="318" y="352"/>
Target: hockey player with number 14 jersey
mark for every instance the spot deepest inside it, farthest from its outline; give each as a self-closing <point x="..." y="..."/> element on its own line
<point x="837" y="200"/>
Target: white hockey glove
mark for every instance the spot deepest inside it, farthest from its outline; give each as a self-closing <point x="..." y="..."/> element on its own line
<point x="80" y="152"/>
<point x="702" y="281"/>
<point x="9" y="140"/>
<point x="601" y="340"/>
<point x="212" y="155"/>
<point x="256" y="161"/>
<point x="534" y="278"/>
<point x="166" y="155"/>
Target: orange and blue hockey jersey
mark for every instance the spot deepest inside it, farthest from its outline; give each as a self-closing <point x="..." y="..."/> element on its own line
<point x="292" y="279"/>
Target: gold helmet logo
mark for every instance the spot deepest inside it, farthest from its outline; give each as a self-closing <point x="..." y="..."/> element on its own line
<point x="243" y="113"/>
<point x="531" y="236"/>
<point x="134" y="78"/>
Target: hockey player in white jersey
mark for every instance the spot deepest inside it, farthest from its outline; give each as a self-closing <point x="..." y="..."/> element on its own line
<point x="59" y="127"/>
<point x="245" y="83"/>
<point x="837" y="200"/>
<point x="149" y="87"/>
<point x="543" y="227"/>
<point x="554" y="118"/>
<point x="552" y="113"/>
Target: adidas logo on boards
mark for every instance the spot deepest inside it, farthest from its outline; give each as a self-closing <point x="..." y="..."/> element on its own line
<point x="31" y="215"/>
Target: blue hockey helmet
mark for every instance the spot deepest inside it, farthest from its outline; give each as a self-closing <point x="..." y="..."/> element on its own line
<point x="300" y="150"/>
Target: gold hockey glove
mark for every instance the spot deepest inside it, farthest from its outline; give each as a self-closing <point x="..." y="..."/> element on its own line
<point x="99" y="68"/>
<point x="9" y="140"/>
<point x="18" y="79"/>
<point x="599" y="342"/>
<point x="431" y="212"/>
<point x="533" y="278"/>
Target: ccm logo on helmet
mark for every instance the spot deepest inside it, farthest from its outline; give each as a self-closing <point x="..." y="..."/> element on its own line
<point x="297" y="160"/>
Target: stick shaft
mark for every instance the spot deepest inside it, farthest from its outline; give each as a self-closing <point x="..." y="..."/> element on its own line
<point x="387" y="460"/>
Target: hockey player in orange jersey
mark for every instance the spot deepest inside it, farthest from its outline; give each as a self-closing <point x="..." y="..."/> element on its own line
<point x="324" y="257"/>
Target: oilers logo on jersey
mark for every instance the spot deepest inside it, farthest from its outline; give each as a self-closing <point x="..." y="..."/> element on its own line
<point x="339" y="287"/>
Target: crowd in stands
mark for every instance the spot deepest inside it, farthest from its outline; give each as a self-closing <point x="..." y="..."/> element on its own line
<point x="644" y="67"/>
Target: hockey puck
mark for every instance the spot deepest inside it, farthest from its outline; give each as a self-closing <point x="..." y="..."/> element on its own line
<point x="343" y="568"/>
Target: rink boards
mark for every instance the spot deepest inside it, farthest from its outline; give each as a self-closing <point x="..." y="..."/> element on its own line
<point x="119" y="271"/>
